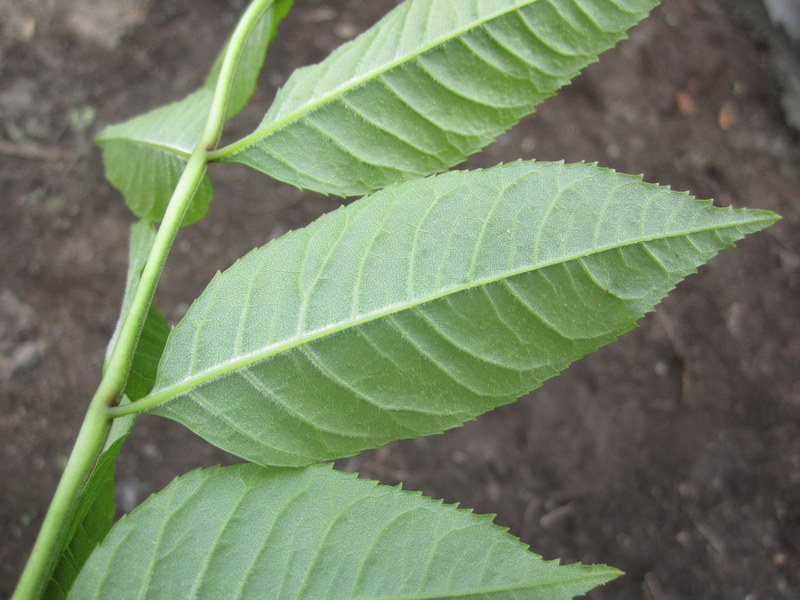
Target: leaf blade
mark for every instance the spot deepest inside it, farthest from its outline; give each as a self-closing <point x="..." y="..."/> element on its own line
<point x="430" y="84"/>
<point x="153" y="339"/>
<point x="320" y="533"/>
<point x="426" y="304"/>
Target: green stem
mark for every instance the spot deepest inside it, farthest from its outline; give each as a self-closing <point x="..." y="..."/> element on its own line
<point x="97" y="422"/>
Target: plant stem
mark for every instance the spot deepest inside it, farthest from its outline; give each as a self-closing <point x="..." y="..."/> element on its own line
<point x="97" y="421"/>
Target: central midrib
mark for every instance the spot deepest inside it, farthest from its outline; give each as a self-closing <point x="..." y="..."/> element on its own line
<point x="167" y="149"/>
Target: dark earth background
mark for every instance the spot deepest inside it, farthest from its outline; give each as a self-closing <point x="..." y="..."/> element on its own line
<point x="673" y="454"/>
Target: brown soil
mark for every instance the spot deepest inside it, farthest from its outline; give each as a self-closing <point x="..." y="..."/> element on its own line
<point x="673" y="454"/>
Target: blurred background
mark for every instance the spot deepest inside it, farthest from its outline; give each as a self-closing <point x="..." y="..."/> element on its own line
<point x="673" y="454"/>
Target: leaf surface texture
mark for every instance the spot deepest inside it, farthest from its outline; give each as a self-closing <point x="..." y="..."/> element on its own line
<point x="426" y="304"/>
<point x="244" y="532"/>
<point x="431" y="83"/>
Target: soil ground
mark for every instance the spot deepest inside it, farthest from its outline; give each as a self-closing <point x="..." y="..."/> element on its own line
<point x="673" y="454"/>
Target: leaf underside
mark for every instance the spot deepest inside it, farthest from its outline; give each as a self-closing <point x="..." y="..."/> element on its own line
<point x="426" y="304"/>
<point x="145" y="156"/>
<point x="148" y="353"/>
<point x="147" y="175"/>
<point x="433" y="82"/>
<point x="247" y="532"/>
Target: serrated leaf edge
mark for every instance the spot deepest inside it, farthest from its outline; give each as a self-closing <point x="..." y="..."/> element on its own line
<point x="221" y="370"/>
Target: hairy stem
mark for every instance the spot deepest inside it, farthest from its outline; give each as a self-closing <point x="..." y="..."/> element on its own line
<point x="97" y="421"/>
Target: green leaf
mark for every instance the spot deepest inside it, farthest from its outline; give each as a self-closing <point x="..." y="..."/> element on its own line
<point x="426" y="304"/>
<point x="145" y="156"/>
<point x="93" y="516"/>
<point x="246" y="532"/>
<point x="148" y="353"/>
<point x="433" y="82"/>
<point x="146" y="174"/>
